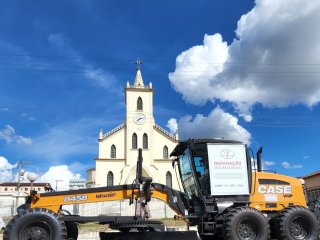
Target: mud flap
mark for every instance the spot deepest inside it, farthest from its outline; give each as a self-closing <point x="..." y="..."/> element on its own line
<point x="180" y="235"/>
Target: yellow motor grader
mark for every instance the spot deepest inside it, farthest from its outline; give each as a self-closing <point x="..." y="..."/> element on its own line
<point x="224" y="196"/>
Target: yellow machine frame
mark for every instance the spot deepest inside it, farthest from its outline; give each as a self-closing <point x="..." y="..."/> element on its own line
<point x="274" y="192"/>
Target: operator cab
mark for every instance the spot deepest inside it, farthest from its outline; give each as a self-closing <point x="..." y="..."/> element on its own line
<point x="214" y="168"/>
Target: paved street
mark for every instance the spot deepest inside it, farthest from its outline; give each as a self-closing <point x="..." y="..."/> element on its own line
<point x="90" y="235"/>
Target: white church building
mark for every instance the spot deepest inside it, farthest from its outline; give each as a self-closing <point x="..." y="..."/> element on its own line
<point x="118" y="148"/>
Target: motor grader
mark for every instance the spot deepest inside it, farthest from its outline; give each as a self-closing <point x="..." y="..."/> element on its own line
<point x="224" y="196"/>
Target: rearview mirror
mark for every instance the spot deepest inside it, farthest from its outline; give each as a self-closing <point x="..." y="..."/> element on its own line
<point x="173" y="161"/>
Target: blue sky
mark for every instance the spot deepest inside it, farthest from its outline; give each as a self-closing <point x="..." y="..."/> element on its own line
<point x="235" y="69"/>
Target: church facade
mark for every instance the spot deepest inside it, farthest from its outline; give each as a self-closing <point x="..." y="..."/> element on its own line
<point x="118" y="148"/>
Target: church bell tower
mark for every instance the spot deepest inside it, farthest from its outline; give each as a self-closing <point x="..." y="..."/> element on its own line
<point x="139" y="118"/>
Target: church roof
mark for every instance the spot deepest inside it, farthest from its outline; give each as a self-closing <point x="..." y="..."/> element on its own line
<point x="138" y="82"/>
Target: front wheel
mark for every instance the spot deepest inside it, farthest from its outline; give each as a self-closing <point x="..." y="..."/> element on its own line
<point x="36" y="224"/>
<point x="245" y="223"/>
<point x="297" y="223"/>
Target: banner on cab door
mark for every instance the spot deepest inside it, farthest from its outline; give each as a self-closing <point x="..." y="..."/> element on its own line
<point x="228" y="169"/>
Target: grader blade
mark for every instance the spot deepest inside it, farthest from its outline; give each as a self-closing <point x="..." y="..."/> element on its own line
<point x="179" y="235"/>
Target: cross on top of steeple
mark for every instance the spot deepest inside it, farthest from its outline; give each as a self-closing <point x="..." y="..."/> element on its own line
<point x="138" y="82"/>
<point x="138" y="62"/>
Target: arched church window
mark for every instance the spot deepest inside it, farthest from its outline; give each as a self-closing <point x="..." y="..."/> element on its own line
<point x="145" y="141"/>
<point x="113" y="151"/>
<point x="139" y="103"/>
<point x="168" y="179"/>
<point x="134" y="141"/>
<point x="165" y="152"/>
<point x="110" y="179"/>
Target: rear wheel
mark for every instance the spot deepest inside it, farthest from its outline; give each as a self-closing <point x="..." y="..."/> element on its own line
<point x="297" y="223"/>
<point x="245" y="223"/>
<point x="36" y="224"/>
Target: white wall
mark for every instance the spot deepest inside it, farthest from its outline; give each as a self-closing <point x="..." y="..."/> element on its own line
<point x="8" y="204"/>
<point x="158" y="209"/>
<point x="116" y="139"/>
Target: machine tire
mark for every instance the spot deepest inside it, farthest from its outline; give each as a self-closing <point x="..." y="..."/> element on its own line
<point x="72" y="230"/>
<point x="245" y="223"/>
<point x="36" y="223"/>
<point x="297" y="223"/>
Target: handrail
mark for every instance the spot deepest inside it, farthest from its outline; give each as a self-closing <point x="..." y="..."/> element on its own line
<point x="165" y="132"/>
<point x="116" y="129"/>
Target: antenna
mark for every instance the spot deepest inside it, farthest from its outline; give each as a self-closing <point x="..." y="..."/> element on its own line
<point x="20" y="174"/>
<point x="58" y="180"/>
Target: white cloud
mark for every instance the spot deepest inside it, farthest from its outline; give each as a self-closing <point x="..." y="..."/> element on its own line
<point x="306" y="157"/>
<point x="194" y="72"/>
<point x="58" y="176"/>
<point x="6" y="173"/>
<point x="60" y="172"/>
<point x="172" y="125"/>
<point x="97" y="76"/>
<point x="60" y="142"/>
<point x="9" y="135"/>
<point x="289" y="166"/>
<point x="267" y="164"/>
<point x="218" y="124"/>
<point x="273" y="61"/>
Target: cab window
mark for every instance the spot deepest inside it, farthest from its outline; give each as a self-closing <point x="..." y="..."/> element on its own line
<point x="186" y="174"/>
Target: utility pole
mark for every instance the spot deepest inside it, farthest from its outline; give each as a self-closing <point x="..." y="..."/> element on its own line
<point x="58" y="180"/>
<point x="20" y="174"/>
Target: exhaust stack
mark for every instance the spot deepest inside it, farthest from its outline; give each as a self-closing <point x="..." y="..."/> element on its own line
<point x="259" y="162"/>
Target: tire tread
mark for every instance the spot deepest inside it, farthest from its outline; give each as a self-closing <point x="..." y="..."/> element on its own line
<point x="280" y="222"/>
<point x="231" y="215"/>
<point x="13" y="224"/>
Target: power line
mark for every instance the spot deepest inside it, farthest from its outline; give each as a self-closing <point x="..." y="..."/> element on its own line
<point x="62" y="68"/>
<point x="122" y="68"/>
<point x="155" y="60"/>
<point x="105" y="72"/>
